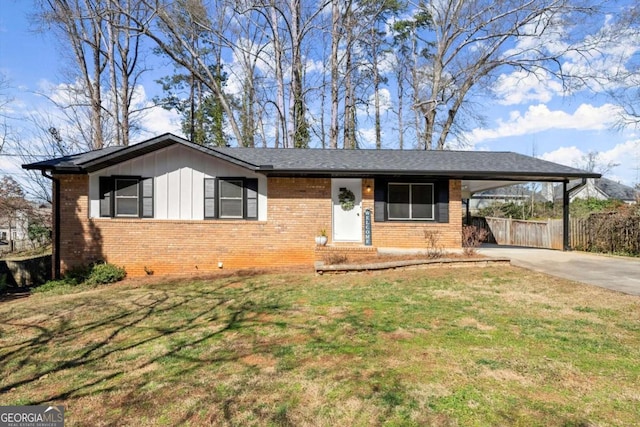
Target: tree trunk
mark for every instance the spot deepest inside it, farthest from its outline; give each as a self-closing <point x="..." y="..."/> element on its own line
<point x="280" y="121"/>
<point x="335" y="44"/>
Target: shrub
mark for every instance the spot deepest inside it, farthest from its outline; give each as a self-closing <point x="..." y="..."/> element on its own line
<point x="334" y="258"/>
<point x="104" y="273"/>
<point x="472" y="237"/>
<point x="59" y="286"/>
<point x="434" y="248"/>
<point x="615" y="232"/>
<point x="583" y="208"/>
<point x="86" y="275"/>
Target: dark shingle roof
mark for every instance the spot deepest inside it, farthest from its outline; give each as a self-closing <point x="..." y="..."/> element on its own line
<point x="615" y="190"/>
<point x="71" y="162"/>
<point x="467" y="163"/>
<point x="611" y="189"/>
<point x="315" y="162"/>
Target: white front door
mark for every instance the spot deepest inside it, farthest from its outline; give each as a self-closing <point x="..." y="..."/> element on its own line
<point x="347" y="216"/>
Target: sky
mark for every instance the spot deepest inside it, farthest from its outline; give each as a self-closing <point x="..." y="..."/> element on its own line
<point x="531" y="116"/>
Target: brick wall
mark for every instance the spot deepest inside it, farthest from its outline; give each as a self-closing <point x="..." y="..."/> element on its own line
<point x="297" y="209"/>
<point x="406" y="234"/>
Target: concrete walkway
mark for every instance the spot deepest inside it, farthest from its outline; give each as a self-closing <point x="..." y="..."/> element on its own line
<point x="611" y="272"/>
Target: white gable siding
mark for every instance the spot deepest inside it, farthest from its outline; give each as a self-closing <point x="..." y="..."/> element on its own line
<point x="589" y="191"/>
<point x="178" y="185"/>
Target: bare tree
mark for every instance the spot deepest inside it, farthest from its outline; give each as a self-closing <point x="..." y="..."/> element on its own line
<point x="79" y="24"/>
<point x="411" y="47"/>
<point x="592" y="162"/>
<point x="335" y="67"/>
<point x="104" y="65"/>
<point x="474" y="40"/>
<point x="376" y="46"/>
<point x="5" y="100"/>
<point x="615" y="51"/>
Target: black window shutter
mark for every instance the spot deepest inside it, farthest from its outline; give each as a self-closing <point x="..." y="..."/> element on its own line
<point x="442" y="201"/>
<point x="251" y="198"/>
<point x="380" y="200"/>
<point x="210" y="200"/>
<point x="106" y="196"/>
<point x="146" y="197"/>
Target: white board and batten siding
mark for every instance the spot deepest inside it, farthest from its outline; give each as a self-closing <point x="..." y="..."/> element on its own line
<point x="178" y="184"/>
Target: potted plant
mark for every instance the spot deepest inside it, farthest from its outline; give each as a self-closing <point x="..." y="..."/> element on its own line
<point x="322" y="238"/>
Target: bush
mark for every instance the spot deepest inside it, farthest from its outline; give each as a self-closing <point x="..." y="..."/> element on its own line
<point x="582" y="208"/>
<point x="102" y="274"/>
<point x="87" y="275"/>
<point x="59" y="286"/>
<point x="434" y="248"/>
<point x="472" y="237"/>
<point x="615" y="232"/>
<point x="334" y="258"/>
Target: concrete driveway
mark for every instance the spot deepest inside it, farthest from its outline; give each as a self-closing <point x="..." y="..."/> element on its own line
<point x="615" y="273"/>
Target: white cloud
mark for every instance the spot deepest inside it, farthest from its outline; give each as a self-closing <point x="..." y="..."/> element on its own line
<point x="540" y="118"/>
<point x="156" y="120"/>
<point x="367" y="138"/>
<point x="569" y="156"/>
<point x="520" y="87"/>
<point x="368" y="111"/>
<point x="626" y="155"/>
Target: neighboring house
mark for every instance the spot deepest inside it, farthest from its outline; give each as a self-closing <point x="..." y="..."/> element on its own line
<point x="167" y="205"/>
<point x="17" y="229"/>
<point x="517" y="194"/>
<point x="14" y="228"/>
<point x="600" y="189"/>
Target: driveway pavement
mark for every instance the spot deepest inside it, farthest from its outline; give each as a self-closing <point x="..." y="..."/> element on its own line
<point x="615" y="273"/>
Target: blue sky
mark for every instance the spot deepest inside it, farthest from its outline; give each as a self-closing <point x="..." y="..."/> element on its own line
<point x="532" y="116"/>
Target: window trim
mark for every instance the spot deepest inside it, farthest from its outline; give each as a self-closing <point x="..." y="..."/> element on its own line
<point x="248" y="184"/>
<point x="410" y="185"/>
<point x="107" y="189"/>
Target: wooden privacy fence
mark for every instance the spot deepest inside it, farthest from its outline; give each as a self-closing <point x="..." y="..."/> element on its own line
<point x="614" y="232"/>
<point x="598" y="233"/>
<point x="534" y="234"/>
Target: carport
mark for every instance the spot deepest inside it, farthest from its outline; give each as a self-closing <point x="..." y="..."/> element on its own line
<point x="472" y="185"/>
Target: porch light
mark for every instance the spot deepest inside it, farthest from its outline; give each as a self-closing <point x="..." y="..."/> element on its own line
<point x="368" y="188"/>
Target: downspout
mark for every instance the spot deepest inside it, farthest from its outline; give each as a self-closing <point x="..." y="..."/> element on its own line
<point x="55" y="262"/>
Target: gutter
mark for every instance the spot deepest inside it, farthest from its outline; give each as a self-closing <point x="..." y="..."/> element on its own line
<point x="55" y="264"/>
<point x="578" y="187"/>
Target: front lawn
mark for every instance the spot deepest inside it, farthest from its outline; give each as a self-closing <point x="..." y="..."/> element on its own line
<point x="448" y="347"/>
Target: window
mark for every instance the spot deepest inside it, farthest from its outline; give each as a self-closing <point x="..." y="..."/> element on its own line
<point x="231" y="198"/>
<point x="126" y="197"/>
<point x="410" y="201"/>
<point x="230" y="202"/>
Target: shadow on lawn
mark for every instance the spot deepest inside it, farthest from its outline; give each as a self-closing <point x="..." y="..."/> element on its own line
<point x="152" y="319"/>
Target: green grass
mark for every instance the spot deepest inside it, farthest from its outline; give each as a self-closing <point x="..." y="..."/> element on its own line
<point x="467" y="347"/>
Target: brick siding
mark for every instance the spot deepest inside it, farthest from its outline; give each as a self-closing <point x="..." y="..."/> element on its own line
<point x="297" y="209"/>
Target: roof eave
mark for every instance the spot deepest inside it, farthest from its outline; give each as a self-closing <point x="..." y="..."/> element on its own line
<point x="155" y="144"/>
<point x="485" y="175"/>
<point x="53" y="168"/>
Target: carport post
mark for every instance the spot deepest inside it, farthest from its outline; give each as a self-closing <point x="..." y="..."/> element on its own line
<point x="565" y="217"/>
